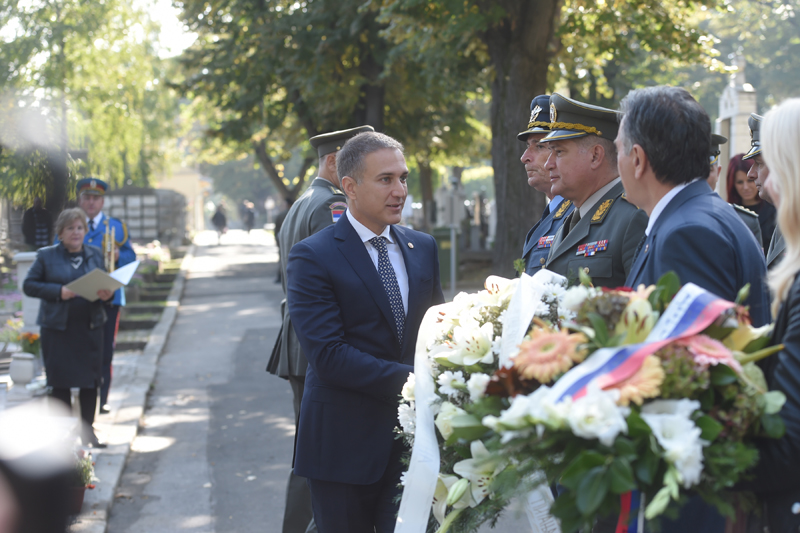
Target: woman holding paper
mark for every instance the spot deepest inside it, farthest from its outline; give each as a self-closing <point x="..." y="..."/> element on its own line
<point x="72" y="327"/>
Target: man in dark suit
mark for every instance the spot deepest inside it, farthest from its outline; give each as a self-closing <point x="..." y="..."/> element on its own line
<point x="320" y="206"/>
<point x="691" y="230"/>
<point x="541" y="235"/>
<point x="663" y="146"/>
<point x="600" y="236"/>
<point x="357" y="292"/>
<point x="759" y="173"/>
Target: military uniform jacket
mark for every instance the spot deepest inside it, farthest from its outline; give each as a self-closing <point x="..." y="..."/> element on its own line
<point x="777" y="249"/>
<point x="750" y="220"/>
<point x="602" y="244"/>
<point x="122" y="241"/>
<point x="320" y="206"/>
<point x="541" y="236"/>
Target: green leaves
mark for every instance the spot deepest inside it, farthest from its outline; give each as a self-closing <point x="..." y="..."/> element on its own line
<point x="723" y="375"/>
<point x="667" y="287"/>
<point x="621" y="476"/>
<point x="592" y="489"/>
<point x="710" y="428"/>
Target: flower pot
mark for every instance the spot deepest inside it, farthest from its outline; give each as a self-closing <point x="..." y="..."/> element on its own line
<point x="22" y="368"/>
<point x="75" y="499"/>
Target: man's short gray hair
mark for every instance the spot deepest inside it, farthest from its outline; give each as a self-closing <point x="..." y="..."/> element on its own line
<point x="610" y="149"/>
<point x="350" y="159"/>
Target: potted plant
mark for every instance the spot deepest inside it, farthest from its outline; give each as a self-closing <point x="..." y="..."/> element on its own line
<point x="82" y="480"/>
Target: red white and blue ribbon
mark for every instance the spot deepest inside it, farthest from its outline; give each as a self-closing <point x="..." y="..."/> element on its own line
<point x="630" y="505"/>
<point x="692" y="310"/>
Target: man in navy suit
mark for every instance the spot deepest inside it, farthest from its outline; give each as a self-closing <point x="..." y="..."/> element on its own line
<point x="663" y="145"/>
<point x="540" y="237"/>
<point x="357" y="292"/>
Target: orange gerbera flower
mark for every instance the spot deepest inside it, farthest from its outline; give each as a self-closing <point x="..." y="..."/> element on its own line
<point x="546" y="354"/>
<point x="645" y="383"/>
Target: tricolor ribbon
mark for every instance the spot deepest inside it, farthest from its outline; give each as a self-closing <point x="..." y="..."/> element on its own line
<point x="692" y="310"/>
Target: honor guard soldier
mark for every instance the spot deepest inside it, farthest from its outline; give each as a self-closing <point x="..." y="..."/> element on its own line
<point x="759" y="173"/>
<point x="541" y="235"/>
<point x="749" y="218"/>
<point x="91" y="197"/>
<point x="601" y="235"/>
<point x="321" y="205"/>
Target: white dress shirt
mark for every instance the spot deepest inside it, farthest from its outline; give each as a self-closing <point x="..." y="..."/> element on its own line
<point x="661" y="205"/>
<point x="393" y="250"/>
<point x="96" y="220"/>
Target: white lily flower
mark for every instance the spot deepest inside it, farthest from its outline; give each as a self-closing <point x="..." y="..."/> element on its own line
<point x="444" y="420"/>
<point x="443" y="484"/>
<point x="480" y="470"/>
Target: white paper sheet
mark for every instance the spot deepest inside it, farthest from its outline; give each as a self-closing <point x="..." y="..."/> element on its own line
<point x="96" y="280"/>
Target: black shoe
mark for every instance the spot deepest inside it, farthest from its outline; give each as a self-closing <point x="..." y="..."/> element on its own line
<point x="105" y="409"/>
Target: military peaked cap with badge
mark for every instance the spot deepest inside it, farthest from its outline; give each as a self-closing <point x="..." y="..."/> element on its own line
<point x="91" y="186"/>
<point x="328" y="143"/>
<point x="754" y="122"/>
<point x="539" y="120"/>
<point x="716" y="142"/>
<point x="570" y="119"/>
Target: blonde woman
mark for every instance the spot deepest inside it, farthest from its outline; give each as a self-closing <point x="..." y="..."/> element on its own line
<point x="777" y="479"/>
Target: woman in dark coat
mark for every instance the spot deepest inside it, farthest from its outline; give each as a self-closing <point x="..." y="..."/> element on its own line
<point x="777" y="476"/>
<point x="71" y="326"/>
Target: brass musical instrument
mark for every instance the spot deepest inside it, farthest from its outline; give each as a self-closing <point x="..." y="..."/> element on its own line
<point x="109" y="248"/>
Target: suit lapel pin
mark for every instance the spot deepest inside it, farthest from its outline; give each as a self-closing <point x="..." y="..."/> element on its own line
<point x="411" y="246"/>
<point x="646" y="247"/>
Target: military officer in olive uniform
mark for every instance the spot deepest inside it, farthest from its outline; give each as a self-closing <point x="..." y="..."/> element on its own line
<point x="749" y="218"/>
<point x="540" y="237"/>
<point x="759" y="173"/>
<point x="602" y="233"/>
<point x="320" y="206"/>
<point x="91" y="198"/>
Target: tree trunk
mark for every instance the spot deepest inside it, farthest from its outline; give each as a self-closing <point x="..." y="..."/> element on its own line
<point x="426" y="185"/>
<point x="260" y="149"/>
<point x="520" y="61"/>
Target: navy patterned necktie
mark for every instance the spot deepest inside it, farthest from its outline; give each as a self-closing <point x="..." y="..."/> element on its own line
<point x="91" y="224"/>
<point x="389" y="280"/>
<point x="639" y="249"/>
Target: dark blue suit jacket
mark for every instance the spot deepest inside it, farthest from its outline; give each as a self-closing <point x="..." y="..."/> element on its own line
<point x="535" y="253"/>
<point x="356" y="365"/>
<point x="701" y="238"/>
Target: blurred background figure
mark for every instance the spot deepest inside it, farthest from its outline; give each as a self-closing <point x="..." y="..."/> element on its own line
<point x="72" y="327"/>
<point x="37" y="225"/>
<point x="220" y="221"/>
<point x="248" y="215"/>
<point x="36" y="469"/>
<point x="743" y="192"/>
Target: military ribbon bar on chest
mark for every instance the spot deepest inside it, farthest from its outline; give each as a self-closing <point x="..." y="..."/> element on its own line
<point x="591" y="248"/>
<point x="546" y="241"/>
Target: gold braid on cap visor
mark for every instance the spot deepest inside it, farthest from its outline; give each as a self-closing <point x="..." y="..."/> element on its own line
<point x="570" y="126"/>
<point x="538" y="123"/>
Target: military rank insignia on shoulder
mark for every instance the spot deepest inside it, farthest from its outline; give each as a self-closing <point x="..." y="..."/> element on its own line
<point x="745" y="210"/>
<point x="336" y="191"/>
<point x="602" y="211"/>
<point x="337" y="210"/>
<point x="562" y="210"/>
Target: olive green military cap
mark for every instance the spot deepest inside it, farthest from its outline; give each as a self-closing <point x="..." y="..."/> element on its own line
<point x="755" y="136"/>
<point x="570" y="119"/>
<point x="716" y="142"/>
<point x="333" y="141"/>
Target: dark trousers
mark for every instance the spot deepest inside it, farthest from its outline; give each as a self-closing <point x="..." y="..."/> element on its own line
<point x="297" y="516"/>
<point x="88" y="399"/>
<point x="109" y="338"/>
<point x="370" y="508"/>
